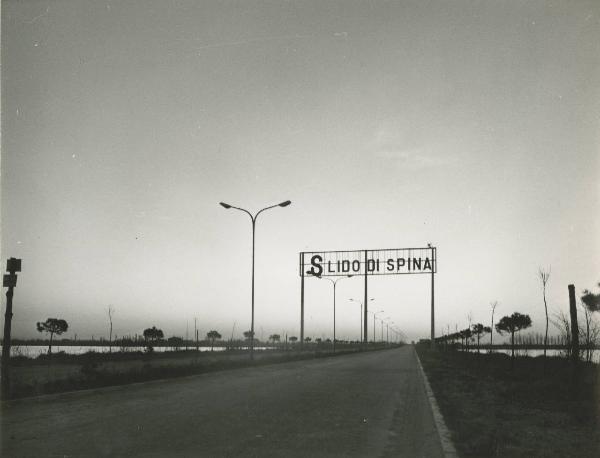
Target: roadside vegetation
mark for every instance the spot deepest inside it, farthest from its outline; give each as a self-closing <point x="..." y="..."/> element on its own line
<point x="497" y="404"/>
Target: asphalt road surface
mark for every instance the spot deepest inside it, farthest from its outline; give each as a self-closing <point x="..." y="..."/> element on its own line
<point x="363" y="405"/>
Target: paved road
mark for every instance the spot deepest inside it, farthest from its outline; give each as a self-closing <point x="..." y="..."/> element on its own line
<point x="369" y="404"/>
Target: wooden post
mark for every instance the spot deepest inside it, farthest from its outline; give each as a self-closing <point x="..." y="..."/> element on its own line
<point x="574" y="325"/>
<point x="13" y="266"/>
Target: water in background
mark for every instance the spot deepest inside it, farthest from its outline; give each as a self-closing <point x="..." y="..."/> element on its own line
<point x="33" y="351"/>
<point x="534" y="353"/>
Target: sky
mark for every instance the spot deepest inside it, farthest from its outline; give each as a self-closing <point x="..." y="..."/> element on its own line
<point x="471" y="125"/>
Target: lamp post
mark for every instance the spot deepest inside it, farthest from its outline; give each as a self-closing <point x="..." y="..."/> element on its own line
<point x="374" y="319"/>
<point x="361" y="314"/>
<point x="334" y="283"/>
<point x="387" y="329"/>
<point x="253" y="218"/>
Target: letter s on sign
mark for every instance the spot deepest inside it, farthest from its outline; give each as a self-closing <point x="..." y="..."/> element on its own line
<point x="316" y="261"/>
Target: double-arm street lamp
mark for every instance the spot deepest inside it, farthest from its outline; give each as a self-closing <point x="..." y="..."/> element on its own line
<point x="361" y="314"/>
<point x="334" y="283"/>
<point x="253" y="218"/>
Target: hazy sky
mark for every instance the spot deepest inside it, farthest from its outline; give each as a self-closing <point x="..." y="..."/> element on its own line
<point x="471" y="125"/>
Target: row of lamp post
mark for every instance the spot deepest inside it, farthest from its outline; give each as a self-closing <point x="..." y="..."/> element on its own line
<point x="361" y="314"/>
<point x="334" y="282"/>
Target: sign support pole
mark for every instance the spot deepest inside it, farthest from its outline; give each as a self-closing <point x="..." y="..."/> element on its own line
<point x="301" y="300"/>
<point x="433" y="260"/>
<point x="366" y="302"/>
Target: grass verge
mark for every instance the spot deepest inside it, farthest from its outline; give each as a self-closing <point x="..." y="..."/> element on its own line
<point x="95" y="370"/>
<point x="526" y="408"/>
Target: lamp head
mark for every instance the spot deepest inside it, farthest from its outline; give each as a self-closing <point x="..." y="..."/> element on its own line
<point x="224" y="205"/>
<point x="285" y="204"/>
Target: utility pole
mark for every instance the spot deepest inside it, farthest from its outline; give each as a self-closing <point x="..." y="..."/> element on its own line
<point x="574" y="325"/>
<point x="196" y="331"/>
<point x="13" y="266"/>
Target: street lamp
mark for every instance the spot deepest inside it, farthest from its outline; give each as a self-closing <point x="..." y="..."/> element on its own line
<point x="374" y="318"/>
<point x="253" y="218"/>
<point x="361" y="314"/>
<point x="387" y="330"/>
<point x="401" y="334"/>
<point x="334" y="282"/>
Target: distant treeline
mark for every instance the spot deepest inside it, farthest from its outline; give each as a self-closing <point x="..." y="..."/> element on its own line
<point x="140" y="342"/>
<point x="179" y="343"/>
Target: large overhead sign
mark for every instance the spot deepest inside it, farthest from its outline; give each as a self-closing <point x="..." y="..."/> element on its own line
<point x="370" y="262"/>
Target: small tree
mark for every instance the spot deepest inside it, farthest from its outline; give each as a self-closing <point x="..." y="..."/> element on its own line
<point x="248" y="335"/>
<point x="478" y="330"/>
<point x="293" y="339"/>
<point x="589" y="332"/>
<point x="307" y="339"/>
<point x="563" y="324"/>
<point x="175" y="342"/>
<point x="275" y="338"/>
<point x="591" y="301"/>
<point x="152" y="335"/>
<point x="212" y="336"/>
<point x="52" y="326"/>
<point x="465" y="337"/>
<point x="512" y="324"/>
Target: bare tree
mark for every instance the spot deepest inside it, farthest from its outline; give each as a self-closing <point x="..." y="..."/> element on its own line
<point x="494" y="305"/>
<point x="544" y="276"/>
<point x="563" y="324"/>
<point x="111" y="311"/>
<point x="591" y="332"/>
